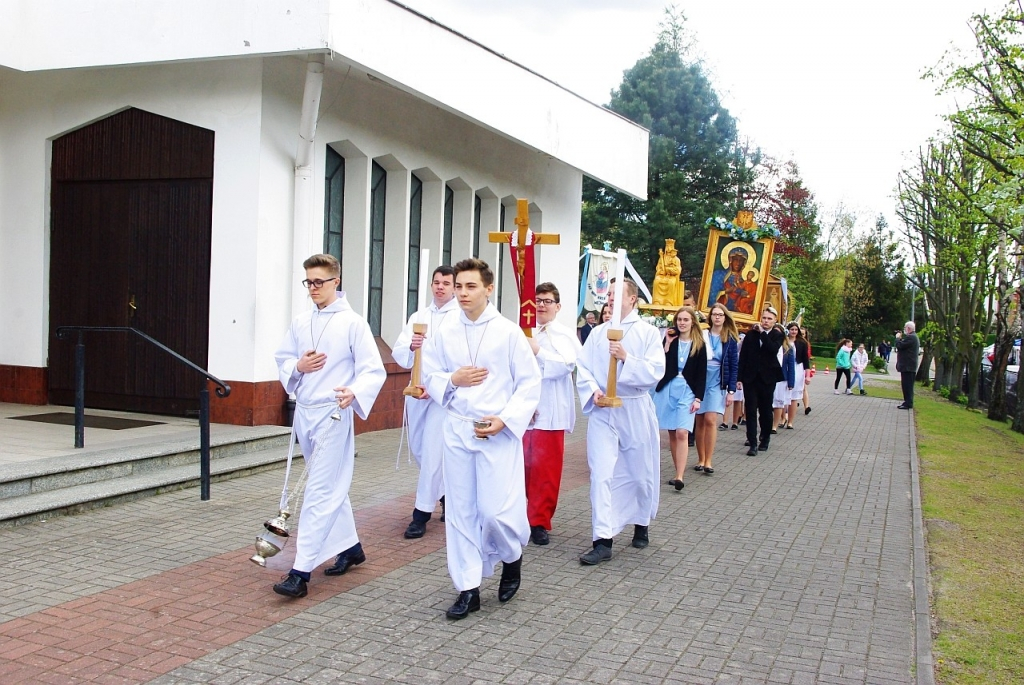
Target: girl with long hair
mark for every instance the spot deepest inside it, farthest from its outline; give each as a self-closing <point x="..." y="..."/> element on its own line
<point x="843" y="363"/>
<point x="679" y="393"/>
<point x="809" y="370"/>
<point x="801" y="372"/>
<point x="783" y="389"/>
<point x="722" y="340"/>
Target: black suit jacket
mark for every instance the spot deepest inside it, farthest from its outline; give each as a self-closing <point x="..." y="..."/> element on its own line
<point x="759" y="357"/>
<point x="907" y="349"/>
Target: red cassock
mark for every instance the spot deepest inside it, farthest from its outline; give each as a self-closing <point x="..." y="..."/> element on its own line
<point x="543" y="451"/>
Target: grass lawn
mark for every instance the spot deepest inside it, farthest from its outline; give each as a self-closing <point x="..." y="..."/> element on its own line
<point x="972" y="485"/>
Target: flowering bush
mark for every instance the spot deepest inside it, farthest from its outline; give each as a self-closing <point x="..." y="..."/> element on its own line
<point x="748" y="235"/>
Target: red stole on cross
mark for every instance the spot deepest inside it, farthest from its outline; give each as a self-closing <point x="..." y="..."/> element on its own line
<point x="526" y="280"/>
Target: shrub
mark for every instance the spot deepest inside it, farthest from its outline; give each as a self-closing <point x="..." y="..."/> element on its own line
<point x="878" y="363"/>
<point x="944" y="392"/>
<point x="961" y="399"/>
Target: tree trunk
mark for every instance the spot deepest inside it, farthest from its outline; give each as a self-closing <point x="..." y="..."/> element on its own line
<point x="1018" y="415"/>
<point x="997" y="402"/>
<point x="924" y="369"/>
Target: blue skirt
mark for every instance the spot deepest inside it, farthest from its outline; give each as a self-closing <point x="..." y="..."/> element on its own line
<point x="672" y="405"/>
<point x="714" y="396"/>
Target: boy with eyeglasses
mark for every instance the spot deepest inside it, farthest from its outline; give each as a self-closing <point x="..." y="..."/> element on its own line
<point x="556" y="347"/>
<point x="329" y="360"/>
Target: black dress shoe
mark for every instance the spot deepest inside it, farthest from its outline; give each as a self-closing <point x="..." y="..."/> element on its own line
<point x="751" y="452"/>
<point x="467" y="601"/>
<point x="708" y="470"/>
<point x="508" y="586"/>
<point x="291" y="586"/>
<point x="640" y="538"/>
<point x="903" y="406"/>
<point x="746" y="443"/>
<point x="763" y="447"/>
<point x="415" y="530"/>
<point x="807" y="411"/>
<point x="595" y="556"/>
<point x="442" y="509"/>
<point x="344" y="562"/>
<point x="698" y="467"/>
<point x="538" y="535"/>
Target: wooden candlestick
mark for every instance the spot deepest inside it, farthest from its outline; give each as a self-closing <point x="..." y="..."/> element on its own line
<point x="610" y="398"/>
<point x="414" y="389"/>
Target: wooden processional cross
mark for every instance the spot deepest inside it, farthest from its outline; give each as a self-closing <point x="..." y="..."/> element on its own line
<point x="523" y="261"/>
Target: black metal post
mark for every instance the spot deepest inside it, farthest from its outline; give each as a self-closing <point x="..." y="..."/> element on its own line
<point x="80" y="391"/>
<point x="204" y="444"/>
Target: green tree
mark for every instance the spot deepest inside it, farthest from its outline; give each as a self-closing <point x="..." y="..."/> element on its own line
<point x="989" y="124"/>
<point x="696" y="166"/>
<point x="875" y="299"/>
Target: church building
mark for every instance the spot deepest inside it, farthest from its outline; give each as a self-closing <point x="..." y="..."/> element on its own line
<point x="167" y="165"/>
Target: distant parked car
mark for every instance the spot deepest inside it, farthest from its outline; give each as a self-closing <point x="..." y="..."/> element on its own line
<point x="1012" y="364"/>
<point x="985" y="381"/>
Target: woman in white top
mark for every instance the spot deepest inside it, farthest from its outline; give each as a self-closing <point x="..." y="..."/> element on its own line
<point x="859" y="362"/>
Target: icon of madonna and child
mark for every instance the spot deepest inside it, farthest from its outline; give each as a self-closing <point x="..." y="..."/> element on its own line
<point x="735" y="274"/>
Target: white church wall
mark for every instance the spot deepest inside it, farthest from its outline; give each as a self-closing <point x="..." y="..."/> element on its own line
<point x="502" y="96"/>
<point x="223" y="96"/>
<point x="253" y="108"/>
<point x="377" y="120"/>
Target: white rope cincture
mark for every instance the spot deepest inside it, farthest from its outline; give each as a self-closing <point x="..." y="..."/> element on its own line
<point x="401" y="438"/>
<point x="321" y="441"/>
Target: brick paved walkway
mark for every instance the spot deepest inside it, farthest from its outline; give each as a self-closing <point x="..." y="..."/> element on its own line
<point x="790" y="567"/>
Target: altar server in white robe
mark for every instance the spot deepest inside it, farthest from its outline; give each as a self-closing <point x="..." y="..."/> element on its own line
<point x="623" y="448"/>
<point x="329" y="359"/>
<point x="425" y="417"/>
<point x="480" y="368"/>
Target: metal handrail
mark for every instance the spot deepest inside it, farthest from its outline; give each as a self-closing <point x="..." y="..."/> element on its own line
<point x="222" y="390"/>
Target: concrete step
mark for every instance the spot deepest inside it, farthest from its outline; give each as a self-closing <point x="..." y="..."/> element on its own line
<point x="65" y="485"/>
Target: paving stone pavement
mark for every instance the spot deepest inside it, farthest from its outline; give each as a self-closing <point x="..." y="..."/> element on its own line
<point x="791" y="567"/>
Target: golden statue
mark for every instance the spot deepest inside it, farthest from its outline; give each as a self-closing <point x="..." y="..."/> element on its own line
<point x="668" y="289"/>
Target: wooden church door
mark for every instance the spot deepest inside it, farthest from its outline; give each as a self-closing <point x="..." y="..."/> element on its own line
<point x="131" y="214"/>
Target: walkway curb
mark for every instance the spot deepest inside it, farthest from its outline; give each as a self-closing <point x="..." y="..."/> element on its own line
<point x="923" y="657"/>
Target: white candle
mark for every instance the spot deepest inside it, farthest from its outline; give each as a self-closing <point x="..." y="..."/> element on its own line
<point x="424" y="287"/>
<point x="620" y="277"/>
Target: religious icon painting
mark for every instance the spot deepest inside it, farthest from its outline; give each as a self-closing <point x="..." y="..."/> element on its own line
<point x="736" y="274"/>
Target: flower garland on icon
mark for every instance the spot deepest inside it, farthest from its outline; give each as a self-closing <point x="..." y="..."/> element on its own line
<point x="748" y="235"/>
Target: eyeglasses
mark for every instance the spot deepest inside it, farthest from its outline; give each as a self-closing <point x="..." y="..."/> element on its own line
<point x="317" y="283"/>
<point x="545" y="301"/>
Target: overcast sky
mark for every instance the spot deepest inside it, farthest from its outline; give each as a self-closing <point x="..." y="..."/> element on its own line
<point x="834" y="86"/>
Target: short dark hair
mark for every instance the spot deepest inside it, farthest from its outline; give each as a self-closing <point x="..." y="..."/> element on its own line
<point x="444" y="270"/>
<point x="326" y="261"/>
<point x="486" y="275"/>
<point x="629" y="285"/>
<point x="549" y="287"/>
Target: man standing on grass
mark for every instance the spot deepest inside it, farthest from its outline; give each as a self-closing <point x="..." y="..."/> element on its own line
<point x="480" y="368"/>
<point x="426" y="417"/>
<point x="907" y="349"/>
<point x="329" y="359"/>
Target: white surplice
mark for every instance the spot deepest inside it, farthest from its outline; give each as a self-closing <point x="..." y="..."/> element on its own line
<point x="623" y="448"/>
<point x="485" y="488"/>
<point x="425" y="417"/>
<point x="326" y="524"/>
<point x="559" y="348"/>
